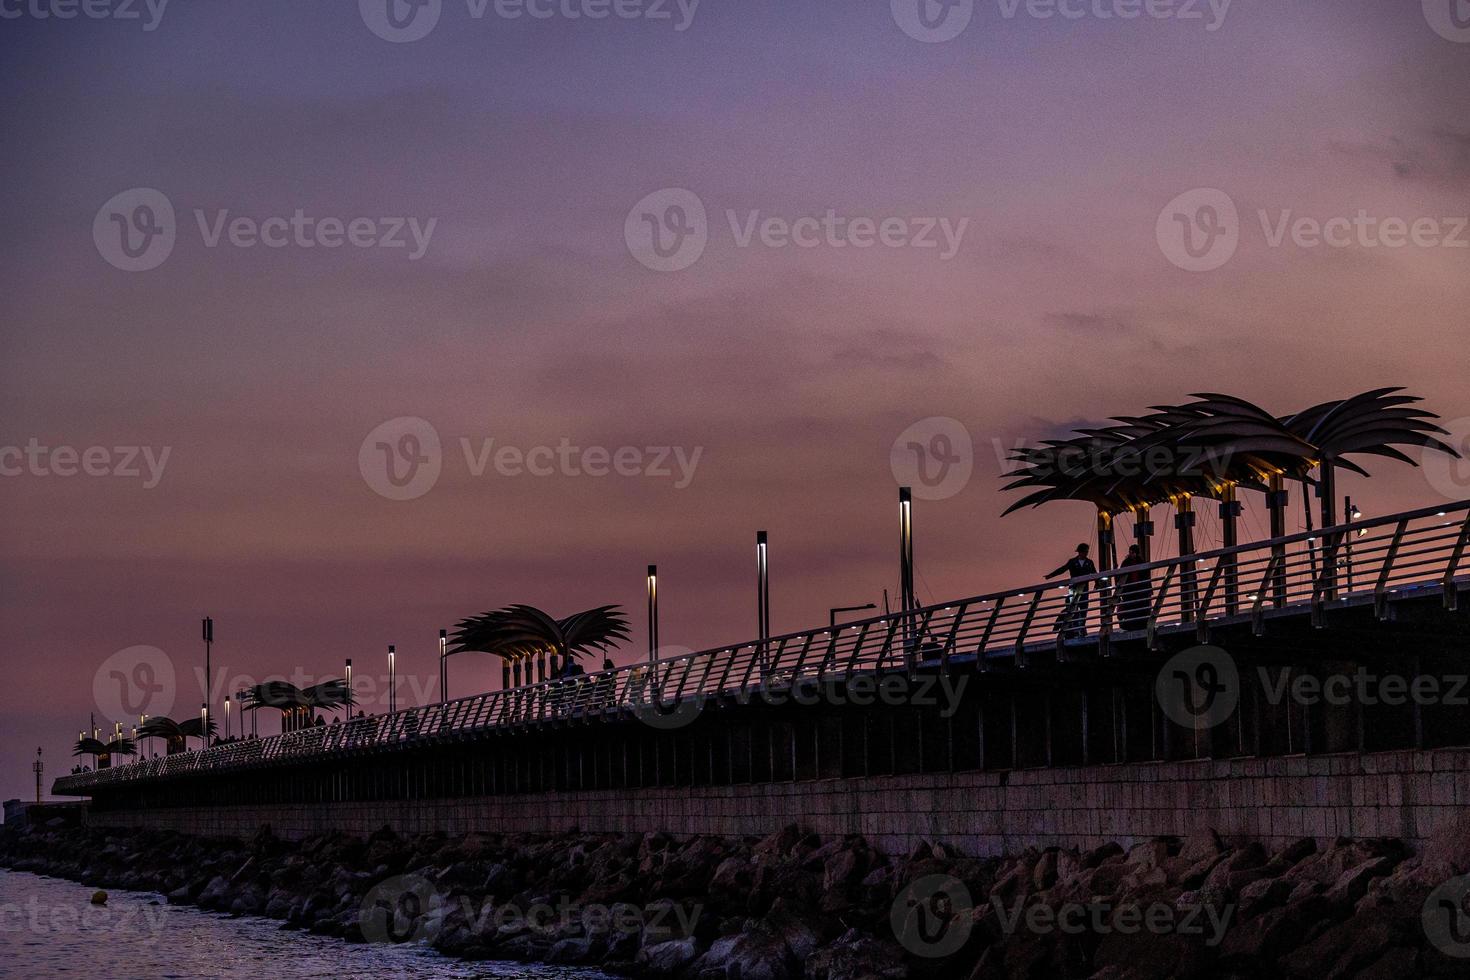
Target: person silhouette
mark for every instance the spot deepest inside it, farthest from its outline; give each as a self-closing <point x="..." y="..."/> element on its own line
<point x="1073" y="620"/>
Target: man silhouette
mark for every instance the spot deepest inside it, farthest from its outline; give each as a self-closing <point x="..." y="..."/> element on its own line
<point x="1073" y="620"/>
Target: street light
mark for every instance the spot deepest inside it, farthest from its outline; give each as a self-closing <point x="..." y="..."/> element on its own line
<point x="208" y="643"/>
<point x="763" y="587"/>
<point x="347" y="704"/>
<point x="905" y="549"/>
<point x="392" y="681"/>
<point x="443" y="667"/>
<point x="652" y="613"/>
<point x="227" y="717"/>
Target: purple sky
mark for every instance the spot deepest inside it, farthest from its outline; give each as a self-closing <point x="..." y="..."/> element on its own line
<point x="528" y="320"/>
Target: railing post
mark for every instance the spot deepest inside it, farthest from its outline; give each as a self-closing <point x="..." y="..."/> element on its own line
<point x="1276" y="500"/>
<point x="1380" y="590"/>
<point x="1451" y="591"/>
<point x="1230" y="511"/>
<point x="1184" y="520"/>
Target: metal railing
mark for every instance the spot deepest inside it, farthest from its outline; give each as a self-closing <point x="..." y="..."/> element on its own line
<point x="1363" y="563"/>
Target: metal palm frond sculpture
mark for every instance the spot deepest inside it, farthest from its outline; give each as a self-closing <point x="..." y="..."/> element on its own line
<point x="296" y="704"/>
<point x="102" y="752"/>
<point x="1370" y="424"/>
<point x="519" y="634"/>
<point x="175" y="734"/>
<point x="1213" y="446"/>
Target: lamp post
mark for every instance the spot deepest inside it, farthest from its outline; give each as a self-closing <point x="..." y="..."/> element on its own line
<point x="905" y="550"/>
<point x="1351" y="515"/>
<point x="208" y="643"/>
<point x="392" y="680"/>
<point x="203" y="726"/>
<point x="443" y="667"/>
<point x="38" y="768"/>
<point x="347" y="704"/>
<point x="227" y="717"/>
<point x="762" y="590"/>
<point x="652" y="613"/>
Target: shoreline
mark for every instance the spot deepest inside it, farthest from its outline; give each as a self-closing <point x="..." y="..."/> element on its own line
<point x="792" y="905"/>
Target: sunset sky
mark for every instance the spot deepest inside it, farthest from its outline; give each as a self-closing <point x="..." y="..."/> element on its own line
<point x="1054" y="143"/>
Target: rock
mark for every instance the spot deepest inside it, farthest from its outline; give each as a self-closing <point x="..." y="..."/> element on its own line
<point x="668" y="958"/>
<point x="99" y="898"/>
<point x="1395" y="964"/>
<point x="1267" y="893"/>
<point x="1100" y="855"/>
<point x="1353" y="884"/>
<point x="1149" y="854"/>
<point x="856" y="956"/>
<point x="571" y="951"/>
<point x="1200" y="846"/>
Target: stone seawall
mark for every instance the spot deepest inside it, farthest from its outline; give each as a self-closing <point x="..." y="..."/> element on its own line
<point x="1404" y="795"/>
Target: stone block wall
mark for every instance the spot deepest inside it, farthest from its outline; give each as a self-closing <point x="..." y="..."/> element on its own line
<point x="1402" y="794"/>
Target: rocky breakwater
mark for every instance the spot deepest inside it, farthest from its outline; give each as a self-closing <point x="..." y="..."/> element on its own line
<point x="792" y="905"/>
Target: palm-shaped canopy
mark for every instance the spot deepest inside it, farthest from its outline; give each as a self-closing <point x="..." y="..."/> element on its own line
<point x="1215" y="441"/>
<point x="160" y="726"/>
<point x="174" y="733"/>
<point x="1370" y="424"/>
<point x="285" y="696"/>
<point x="521" y="631"/>
<point x="94" y="746"/>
